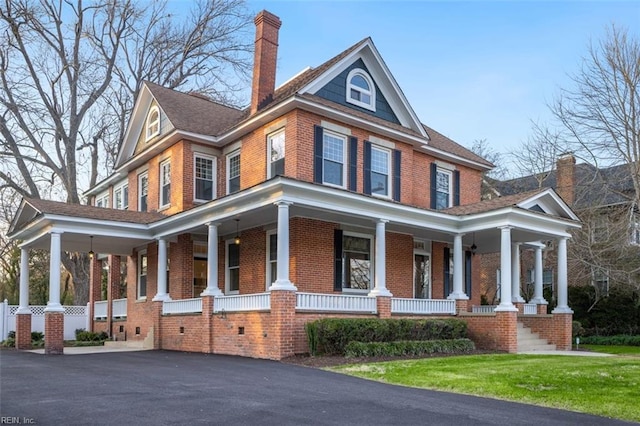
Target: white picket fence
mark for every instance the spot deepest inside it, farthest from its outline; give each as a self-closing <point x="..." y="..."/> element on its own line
<point x="423" y="306"/>
<point x="74" y="317"/>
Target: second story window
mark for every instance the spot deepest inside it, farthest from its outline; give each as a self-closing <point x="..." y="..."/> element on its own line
<point x="333" y="155"/>
<point x="276" y="154"/>
<point x="102" y="200"/>
<point x="380" y="167"/>
<point x="121" y="197"/>
<point x="233" y="172"/>
<point x="360" y="89"/>
<point x="165" y="184"/>
<point x="153" y="123"/>
<point x="443" y="189"/>
<point x="143" y="191"/>
<point x="204" y="178"/>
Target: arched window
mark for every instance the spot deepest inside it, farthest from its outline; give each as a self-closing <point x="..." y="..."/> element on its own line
<point x="153" y="122"/>
<point x="360" y="89"/>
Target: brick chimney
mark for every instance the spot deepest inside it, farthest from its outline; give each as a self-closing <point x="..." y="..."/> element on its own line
<point x="264" y="62"/>
<point x="565" y="177"/>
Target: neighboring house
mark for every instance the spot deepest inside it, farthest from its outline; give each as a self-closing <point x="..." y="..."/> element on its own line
<point x="604" y="253"/>
<point x="326" y="197"/>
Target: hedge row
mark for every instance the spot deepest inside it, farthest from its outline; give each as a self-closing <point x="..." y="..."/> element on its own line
<point x="619" y="340"/>
<point x="330" y="336"/>
<point x="413" y="347"/>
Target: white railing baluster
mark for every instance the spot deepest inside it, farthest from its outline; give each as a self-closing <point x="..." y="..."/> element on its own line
<point x="483" y="309"/>
<point x="182" y="306"/>
<point x="244" y="302"/>
<point x="530" y="309"/>
<point x="423" y="306"/>
<point x="335" y="303"/>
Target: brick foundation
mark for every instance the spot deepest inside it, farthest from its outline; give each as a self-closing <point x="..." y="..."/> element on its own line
<point x="493" y="332"/>
<point x="542" y="309"/>
<point x="462" y="306"/>
<point x="23" y="331"/>
<point x="519" y="306"/>
<point x="384" y="306"/>
<point x="556" y="328"/>
<point x="54" y="333"/>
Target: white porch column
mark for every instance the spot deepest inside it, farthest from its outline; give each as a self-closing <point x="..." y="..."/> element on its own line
<point x="212" y="262"/>
<point x="458" y="277"/>
<point x="563" y="307"/>
<point x="282" y="281"/>
<point x="515" y="274"/>
<point x="379" y="278"/>
<point x="54" y="274"/>
<point x="24" y="282"/>
<point x="162" y="272"/>
<point x="505" y="270"/>
<point x="538" y="297"/>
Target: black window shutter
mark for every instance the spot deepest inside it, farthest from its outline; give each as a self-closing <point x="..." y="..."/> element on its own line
<point x="353" y="163"/>
<point x="317" y="153"/>
<point x="367" y="167"/>
<point x="456" y="187"/>
<point x="397" y="156"/>
<point x="434" y="172"/>
<point x="446" y="275"/>
<point x="467" y="273"/>
<point x="337" y="248"/>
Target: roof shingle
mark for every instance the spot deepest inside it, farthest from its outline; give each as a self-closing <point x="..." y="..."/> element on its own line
<point x="91" y="212"/>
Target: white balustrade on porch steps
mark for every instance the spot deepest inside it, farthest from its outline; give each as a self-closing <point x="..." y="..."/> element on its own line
<point x="335" y="303"/>
<point x="100" y="309"/>
<point x="530" y="309"/>
<point x="423" y="306"/>
<point x="483" y="309"/>
<point x="119" y="308"/>
<point x="182" y="306"/>
<point x="244" y="302"/>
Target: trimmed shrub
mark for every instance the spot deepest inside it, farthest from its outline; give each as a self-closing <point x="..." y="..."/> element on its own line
<point x="619" y="340"/>
<point x="88" y="336"/>
<point x="404" y="348"/>
<point x="331" y="335"/>
<point x="576" y="329"/>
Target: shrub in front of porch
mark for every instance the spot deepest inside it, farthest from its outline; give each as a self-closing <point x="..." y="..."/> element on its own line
<point x="409" y="348"/>
<point x="331" y="336"/>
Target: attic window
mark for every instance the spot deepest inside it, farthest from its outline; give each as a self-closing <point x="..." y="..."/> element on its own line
<point x="153" y="122"/>
<point x="360" y="89"/>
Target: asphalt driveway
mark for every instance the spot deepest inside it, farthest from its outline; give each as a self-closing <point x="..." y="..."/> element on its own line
<point x="160" y="388"/>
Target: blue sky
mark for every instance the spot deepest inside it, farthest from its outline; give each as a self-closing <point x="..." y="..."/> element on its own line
<point x="471" y="70"/>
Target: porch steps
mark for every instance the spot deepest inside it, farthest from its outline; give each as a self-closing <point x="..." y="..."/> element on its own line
<point x="529" y="341"/>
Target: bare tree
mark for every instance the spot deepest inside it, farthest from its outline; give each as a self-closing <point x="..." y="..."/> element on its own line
<point x="537" y="156"/>
<point x="69" y="72"/>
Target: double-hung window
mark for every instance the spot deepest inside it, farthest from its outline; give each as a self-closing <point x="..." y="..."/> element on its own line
<point x="380" y="168"/>
<point x="204" y="174"/>
<point x="276" y="153"/>
<point x="443" y="189"/>
<point x="272" y="257"/>
<point x="333" y="159"/>
<point x="121" y="197"/>
<point x="165" y="183"/>
<point x="233" y="268"/>
<point x="233" y="172"/>
<point x="102" y="200"/>
<point x="142" y="275"/>
<point x="143" y="191"/>
<point x="357" y="270"/>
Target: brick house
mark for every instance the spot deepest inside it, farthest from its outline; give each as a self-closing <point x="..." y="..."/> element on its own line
<point x="325" y="197"/>
<point x="604" y="252"/>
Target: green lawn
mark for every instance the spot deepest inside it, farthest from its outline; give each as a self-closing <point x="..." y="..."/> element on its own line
<point x="611" y="349"/>
<point x="605" y="386"/>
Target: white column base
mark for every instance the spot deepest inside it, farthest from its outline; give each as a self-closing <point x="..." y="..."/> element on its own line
<point x="539" y="301"/>
<point x="22" y="310"/>
<point x="215" y="291"/>
<point x="380" y="292"/>
<point x="518" y="299"/>
<point x="458" y="296"/>
<point x="54" y="307"/>
<point x="161" y="298"/>
<point x="506" y="307"/>
<point x="283" y="285"/>
<point x="562" y="310"/>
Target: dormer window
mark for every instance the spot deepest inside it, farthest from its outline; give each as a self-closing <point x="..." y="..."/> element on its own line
<point x="360" y="89"/>
<point x="153" y="122"/>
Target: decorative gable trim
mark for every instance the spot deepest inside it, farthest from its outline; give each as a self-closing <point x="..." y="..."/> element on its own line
<point x="550" y="203"/>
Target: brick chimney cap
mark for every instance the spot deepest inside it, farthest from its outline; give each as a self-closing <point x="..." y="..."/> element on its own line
<point x="268" y="18"/>
<point x="566" y="155"/>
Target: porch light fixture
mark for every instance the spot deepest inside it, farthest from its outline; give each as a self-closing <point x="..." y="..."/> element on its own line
<point x="91" y="253"/>
<point x="237" y="239"/>
<point x="474" y="247"/>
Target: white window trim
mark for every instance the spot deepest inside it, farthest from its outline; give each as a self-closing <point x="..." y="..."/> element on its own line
<point x="389" y="194"/>
<point x="228" y="159"/>
<point x="269" y="279"/>
<point x="372" y="266"/>
<point x="269" y="142"/>
<point x="138" y="275"/>
<point x="214" y="189"/>
<point x="371" y="92"/>
<point x="227" y="270"/>
<point x="149" y="123"/>
<point x="635" y="230"/>
<point x="102" y="198"/>
<point x="345" y="160"/>
<point x="125" y="200"/>
<point x="449" y="173"/>
<point x="164" y="203"/>
<point x="140" y="177"/>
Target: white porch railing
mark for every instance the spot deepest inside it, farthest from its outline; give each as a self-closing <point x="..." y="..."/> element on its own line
<point x="335" y="303"/>
<point x="483" y="309"/>
<point x="100" y="309"/>
<point x="182" y="306"/>
<point x="423" y="306"/>
<point x="244" y="302"/>
<point x="530" y="309"/>
<point x="119" y="308"/>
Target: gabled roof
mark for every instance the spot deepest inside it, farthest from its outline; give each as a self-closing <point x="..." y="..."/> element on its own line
<point x="442" y="143"/>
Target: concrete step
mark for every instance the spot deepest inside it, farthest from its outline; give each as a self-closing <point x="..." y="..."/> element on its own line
<point x="125" y="344"/>
<point x="529" y="341"/>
